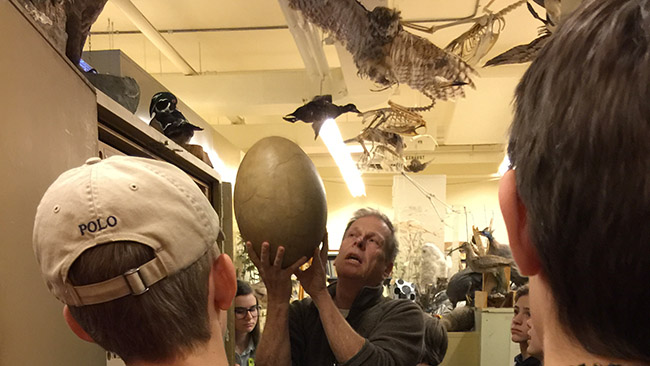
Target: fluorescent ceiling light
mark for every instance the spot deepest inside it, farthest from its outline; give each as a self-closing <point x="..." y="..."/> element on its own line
<point x="334" y="141"/>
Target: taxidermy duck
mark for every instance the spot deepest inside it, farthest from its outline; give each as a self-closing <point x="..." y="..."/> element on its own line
<point x="318" y="110"/>
<point x="168" y="120"/>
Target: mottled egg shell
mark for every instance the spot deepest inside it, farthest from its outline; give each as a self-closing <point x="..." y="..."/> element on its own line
<point x="280" y="198"/>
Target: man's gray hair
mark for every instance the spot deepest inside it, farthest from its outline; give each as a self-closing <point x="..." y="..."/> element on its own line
<point x="391" y="245"/>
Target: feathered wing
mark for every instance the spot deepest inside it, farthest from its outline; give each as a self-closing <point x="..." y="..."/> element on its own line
<point x="386" y="53"/>
<point x="425" y="67"/>
<point x="520" y="54"/>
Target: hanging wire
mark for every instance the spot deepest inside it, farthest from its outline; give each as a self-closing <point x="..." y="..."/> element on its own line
<point x="431" y="197"/>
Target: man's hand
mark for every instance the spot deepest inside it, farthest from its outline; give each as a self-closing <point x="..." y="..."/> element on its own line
<point x="276" y="279"/>
<point x="313" y="279"/>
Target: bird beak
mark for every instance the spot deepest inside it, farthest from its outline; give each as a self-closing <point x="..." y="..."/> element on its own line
<point x="290" y="118"/>
<point x="452" y="250"/>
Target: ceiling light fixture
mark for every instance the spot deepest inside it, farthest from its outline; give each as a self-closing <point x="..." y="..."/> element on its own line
<point x="334" y="141"/>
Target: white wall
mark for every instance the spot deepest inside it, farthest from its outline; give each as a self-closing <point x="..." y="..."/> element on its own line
<point x="480" y="198"/>
<point x="482" y="203"/>
<point x="341" y="205"/>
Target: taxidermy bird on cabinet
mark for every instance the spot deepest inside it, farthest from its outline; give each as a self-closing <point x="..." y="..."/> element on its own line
<point x="502" y="250"/>
<point x="168" y="120"/>
<point x="384" y="52"/>
<point x="318" y="110"/>
<point x="486" y="263"/>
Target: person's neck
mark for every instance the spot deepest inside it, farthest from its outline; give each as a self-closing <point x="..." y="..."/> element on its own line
<point x="241" y="341"/>
<point x="212" y="352"/>
<point x="523" y="348"/>
<point x="346" y="292"/>
<point x="560" y="348"/>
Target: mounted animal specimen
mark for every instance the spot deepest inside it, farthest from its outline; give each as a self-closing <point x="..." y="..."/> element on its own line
<point x="556" y="12"/>
<point x="474" y="44"/>
<point x="319" y="109"/>
<point x="67" y="22"/>
<point x="384" y="52"/>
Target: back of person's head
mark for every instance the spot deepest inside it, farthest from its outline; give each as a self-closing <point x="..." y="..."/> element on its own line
<point x="128" y="245"/>
<point x="580" y="147"/>
<point x="391" y="245"/>
<point x="435" y="342"/>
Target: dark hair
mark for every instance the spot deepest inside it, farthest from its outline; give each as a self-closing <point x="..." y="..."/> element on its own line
<point x="435" y="342"/>
<point x="243" y="288"/>
<point x="391" y="245"/>
<point x="580" y="147"/>
<point x="521" y="291"/>
<point x="165" y="323"/>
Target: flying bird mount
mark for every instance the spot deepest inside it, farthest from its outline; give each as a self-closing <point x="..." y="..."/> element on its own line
<point x="318" y="110"/>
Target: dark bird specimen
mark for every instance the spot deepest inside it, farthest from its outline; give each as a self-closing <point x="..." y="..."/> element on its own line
<point x="528" y="52"/>
<point x="463" y="284"/>
<point x="317" y="111"/>
<point x="171" y="122"/>
<point x="502" y="250"/>
<point x="487" y="263"/>
<point x="415" y="165"/>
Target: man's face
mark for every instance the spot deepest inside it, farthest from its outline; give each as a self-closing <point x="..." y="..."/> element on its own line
<point x="519" y="327"/>
<point x="361" y="256"/>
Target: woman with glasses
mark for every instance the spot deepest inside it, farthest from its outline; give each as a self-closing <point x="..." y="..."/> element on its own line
<point x="247" y="330"/>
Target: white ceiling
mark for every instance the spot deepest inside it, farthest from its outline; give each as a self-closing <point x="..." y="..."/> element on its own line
<point x="249" y="66"/>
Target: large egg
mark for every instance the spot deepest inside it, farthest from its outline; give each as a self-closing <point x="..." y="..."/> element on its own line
<point x="280" y="198"/>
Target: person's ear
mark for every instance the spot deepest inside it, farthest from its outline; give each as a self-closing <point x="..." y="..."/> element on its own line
<point x="74" y="325"/>
<point x="388" y="270"/>
<point x="516" y="220"/>
<point x="223" y="281"/>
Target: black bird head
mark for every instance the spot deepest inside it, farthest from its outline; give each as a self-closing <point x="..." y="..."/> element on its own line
<point x="351" y="108"/>
<point x="162" y="102"/>
<point x="290" y="118"/>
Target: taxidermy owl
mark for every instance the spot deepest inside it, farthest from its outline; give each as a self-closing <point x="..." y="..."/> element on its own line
<point x="384" y="52"/>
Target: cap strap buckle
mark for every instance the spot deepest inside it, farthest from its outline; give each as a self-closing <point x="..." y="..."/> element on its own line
<point x="135" y="281"/>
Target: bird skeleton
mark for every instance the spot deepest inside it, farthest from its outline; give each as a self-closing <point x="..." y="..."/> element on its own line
<point x="556" y="13"/>
<point x="474" y="44"/>
<point x="396" y="118"/>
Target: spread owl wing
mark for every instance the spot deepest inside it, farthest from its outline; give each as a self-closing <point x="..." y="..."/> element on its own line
<point x="384" y="52"/>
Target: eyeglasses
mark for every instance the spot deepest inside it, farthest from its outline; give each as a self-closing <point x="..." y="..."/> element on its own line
<point x="240" y="312"/>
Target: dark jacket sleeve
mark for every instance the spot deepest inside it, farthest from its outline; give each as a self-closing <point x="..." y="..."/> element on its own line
<point x="297" y="315"/>
<point x="396" y="339"/>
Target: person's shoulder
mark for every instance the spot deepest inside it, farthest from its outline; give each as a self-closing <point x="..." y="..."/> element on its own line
<point x="400" y="304"/>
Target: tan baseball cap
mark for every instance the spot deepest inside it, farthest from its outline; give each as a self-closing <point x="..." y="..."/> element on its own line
<point x="121" y="199"/>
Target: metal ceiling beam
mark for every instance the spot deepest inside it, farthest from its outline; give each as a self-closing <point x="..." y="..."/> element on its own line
<point x="144" y="25"/>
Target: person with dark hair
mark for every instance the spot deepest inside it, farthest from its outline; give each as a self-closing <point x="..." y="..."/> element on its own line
<point x="247" y="326"/>
<point x="576" y="200"/>
<point x="434" y="346"/>
<point x="519" y="328"/>
<point x="349" y="322"/>
<point x="129" y="246"/>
